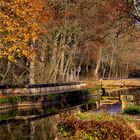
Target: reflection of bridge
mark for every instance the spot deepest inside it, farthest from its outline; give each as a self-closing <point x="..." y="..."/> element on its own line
<point x="43" y="127"/>
<point x="35" y="127"/>
<point x="50" y="104"/>
<point x="126" y="91"/>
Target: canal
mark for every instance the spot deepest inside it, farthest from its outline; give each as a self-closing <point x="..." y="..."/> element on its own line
<point x="40" y="122"/>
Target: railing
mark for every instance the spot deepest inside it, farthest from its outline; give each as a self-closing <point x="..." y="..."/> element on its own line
<point x="120" y="82"/>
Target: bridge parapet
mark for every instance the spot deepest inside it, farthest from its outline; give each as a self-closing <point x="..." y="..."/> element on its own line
<point x="41" y="88"/>
<point x="119" y="82"/>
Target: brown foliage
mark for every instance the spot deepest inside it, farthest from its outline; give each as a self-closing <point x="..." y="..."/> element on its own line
<point x="101" y="130"/>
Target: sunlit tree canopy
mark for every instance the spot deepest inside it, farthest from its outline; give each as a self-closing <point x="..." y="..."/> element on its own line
<point x="18" y="27"/>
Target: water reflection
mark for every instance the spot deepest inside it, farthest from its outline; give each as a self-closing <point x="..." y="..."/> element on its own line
<point x="118" y="100"/>
<point x="40" y="123"/>
<point x="39" y="128"/>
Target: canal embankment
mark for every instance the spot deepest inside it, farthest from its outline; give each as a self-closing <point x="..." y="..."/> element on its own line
<point x="40" y="95"/>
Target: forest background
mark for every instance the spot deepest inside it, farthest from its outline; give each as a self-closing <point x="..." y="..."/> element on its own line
<point x="43" y="41"/>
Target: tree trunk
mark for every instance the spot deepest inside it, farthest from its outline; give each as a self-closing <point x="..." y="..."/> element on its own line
<point x="68" y="74"/>
<point x="32" y="72"/>
<point x="96" y="72"/>
<point x="32" y="67"/>
<point x="41" y="75"/>
<point x="62" y="66"/>
<point x="53" y="64"/>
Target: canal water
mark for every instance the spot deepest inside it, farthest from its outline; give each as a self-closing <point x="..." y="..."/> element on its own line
<point x="115" y="101"/>
<point x="40" y="123"/>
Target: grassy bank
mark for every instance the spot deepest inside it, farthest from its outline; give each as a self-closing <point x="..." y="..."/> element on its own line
<point x="99" y="126"/>
<point x="132" y="110"/>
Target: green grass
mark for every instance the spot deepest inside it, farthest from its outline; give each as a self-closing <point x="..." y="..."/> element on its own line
<point x="64" y="131"/>
<point x="12" y="99"/>
<point x="132" y="110"/>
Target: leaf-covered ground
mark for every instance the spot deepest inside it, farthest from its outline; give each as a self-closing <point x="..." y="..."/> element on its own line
<point x="99" y="126"/>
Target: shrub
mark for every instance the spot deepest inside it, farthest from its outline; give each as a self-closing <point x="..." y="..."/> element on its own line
<point x="97" y="130"/>
<point x="132" y="110"/>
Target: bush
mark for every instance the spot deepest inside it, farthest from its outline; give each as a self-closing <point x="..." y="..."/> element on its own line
<point x="94" y="129"/>
<point x="132" y="110"/>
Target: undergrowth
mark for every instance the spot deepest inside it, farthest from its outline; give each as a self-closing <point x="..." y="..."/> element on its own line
<point x="96" y="127"/>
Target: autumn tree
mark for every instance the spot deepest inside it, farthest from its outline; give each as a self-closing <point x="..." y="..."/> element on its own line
<point x="20" y="27"/>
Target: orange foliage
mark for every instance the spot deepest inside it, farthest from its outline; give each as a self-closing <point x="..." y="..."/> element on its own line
<point x="19" y="25"/>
